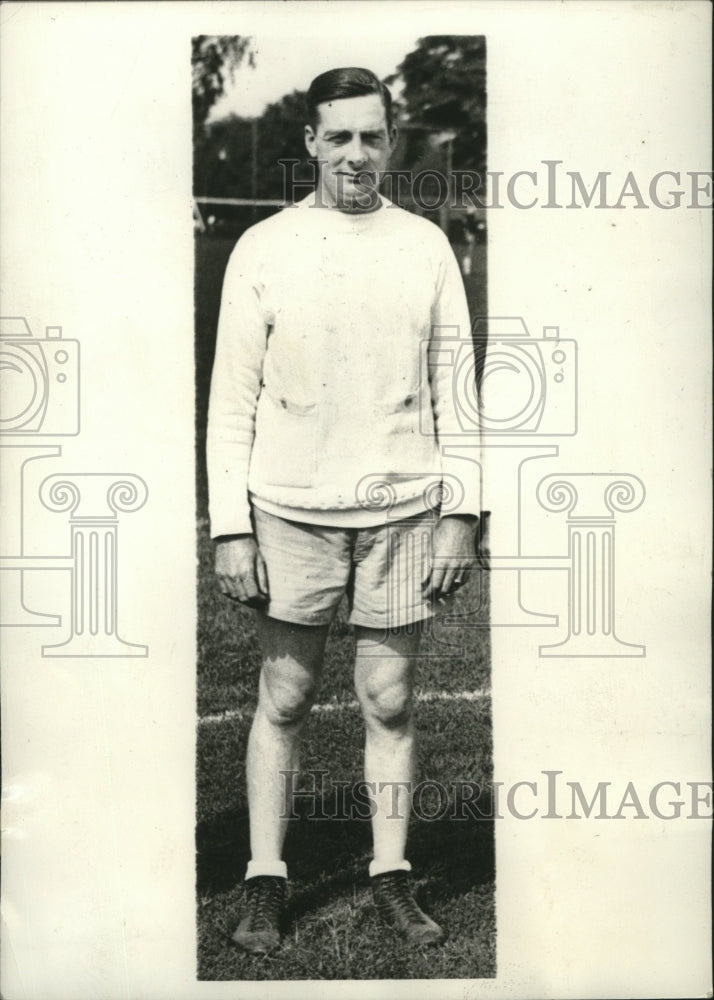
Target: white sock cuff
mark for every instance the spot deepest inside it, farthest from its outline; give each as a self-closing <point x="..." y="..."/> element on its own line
<point x="278" y="868"/>
<point x="379" y="867"/>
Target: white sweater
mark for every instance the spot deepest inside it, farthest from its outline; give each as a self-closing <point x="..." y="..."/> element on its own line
<point x="326" y="380"/>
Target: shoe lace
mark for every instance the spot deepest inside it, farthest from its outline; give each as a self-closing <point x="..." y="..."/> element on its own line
<point x="397" y="895"/>
<point x="266" y="897"/>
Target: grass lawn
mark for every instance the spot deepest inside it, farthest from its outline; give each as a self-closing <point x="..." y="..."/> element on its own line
<point x="331" y="928"/>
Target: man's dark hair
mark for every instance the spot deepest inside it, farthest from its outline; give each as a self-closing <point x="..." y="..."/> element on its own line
<point x="351" y="81"/>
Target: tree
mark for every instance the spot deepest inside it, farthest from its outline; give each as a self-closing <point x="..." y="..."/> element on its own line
<point x="444" y="89"/>
<point x="281" y="136"/>
<point x="223" y="165"/>
<point x="214" y="60"/>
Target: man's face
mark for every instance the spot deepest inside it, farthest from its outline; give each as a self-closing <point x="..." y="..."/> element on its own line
<point x="353" y="143"/>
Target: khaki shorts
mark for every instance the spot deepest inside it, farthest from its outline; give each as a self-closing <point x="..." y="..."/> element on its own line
<point x="311" y="567"/>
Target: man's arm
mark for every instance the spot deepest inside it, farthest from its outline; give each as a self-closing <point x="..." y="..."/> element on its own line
<point x="235" y="388"/>
<point x="457" y="533"/>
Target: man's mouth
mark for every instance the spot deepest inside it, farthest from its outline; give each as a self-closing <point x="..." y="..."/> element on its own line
<point x="360" y="178"/>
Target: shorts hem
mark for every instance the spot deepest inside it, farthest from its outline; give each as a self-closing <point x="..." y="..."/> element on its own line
<point x="292" y="617"/>
<point x="363" y="621"/>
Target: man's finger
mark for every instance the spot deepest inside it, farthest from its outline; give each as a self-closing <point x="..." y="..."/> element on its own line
<point x="435" y="583"/>
<point x="227" y="586"/>
<point x="261" y="572"/>
<point x="249" y="586"/>
<point x="448" y="582"/>
<point x="259" y="602"/>
<point x="255" y="596"/>
<point x="461" y="579"/>
<point x="251" y="596"/>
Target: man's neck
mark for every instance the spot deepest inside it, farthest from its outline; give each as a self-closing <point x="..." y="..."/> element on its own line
<point x="372" y="203"/>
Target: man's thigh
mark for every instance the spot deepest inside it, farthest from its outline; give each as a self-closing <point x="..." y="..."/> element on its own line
<point x="308" y="568"/>
<point x="391" y="563"/>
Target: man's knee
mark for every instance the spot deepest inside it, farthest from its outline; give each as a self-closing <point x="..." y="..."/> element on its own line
<point x="286" y="702"/>
<point x="388" y="703"/>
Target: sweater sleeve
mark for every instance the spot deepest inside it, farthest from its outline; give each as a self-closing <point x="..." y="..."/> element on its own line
<point x="235" y="386"/>
<point x="454" y="394"/>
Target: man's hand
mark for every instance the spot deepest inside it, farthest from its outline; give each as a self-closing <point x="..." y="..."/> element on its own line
<point x="454" y="556"/>
<point x="241" y="570"/>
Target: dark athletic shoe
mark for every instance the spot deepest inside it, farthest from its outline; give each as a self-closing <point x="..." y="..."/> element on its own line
<point x="396" y="906"/>
<point x="259" y="930"/>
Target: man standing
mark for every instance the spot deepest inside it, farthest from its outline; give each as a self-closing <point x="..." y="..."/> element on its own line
<point x="318" y="388"/>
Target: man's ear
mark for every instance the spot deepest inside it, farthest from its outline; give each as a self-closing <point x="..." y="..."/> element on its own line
<point x="310" y="140"/>
<point x="392" y="138"/>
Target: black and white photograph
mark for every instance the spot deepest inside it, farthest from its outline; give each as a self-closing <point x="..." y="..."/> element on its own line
<point x="343" y="530"/>
<point x="355" y="460"/>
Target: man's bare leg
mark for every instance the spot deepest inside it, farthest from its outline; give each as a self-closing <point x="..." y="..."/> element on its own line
<point x="292" y="661"/>
<point x="384" y="679"/>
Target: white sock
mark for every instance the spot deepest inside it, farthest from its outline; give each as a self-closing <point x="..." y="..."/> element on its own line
<point x="379" y="867"/>
<point x="278" y="868"/>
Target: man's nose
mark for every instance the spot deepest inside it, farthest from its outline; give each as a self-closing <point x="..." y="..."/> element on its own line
<point x="356" y="153"/>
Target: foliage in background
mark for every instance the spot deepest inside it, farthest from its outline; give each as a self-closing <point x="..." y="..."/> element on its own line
<point x="214" y="60"/>
<point x="443" y="90"/>
<point x="224" y="165"/>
